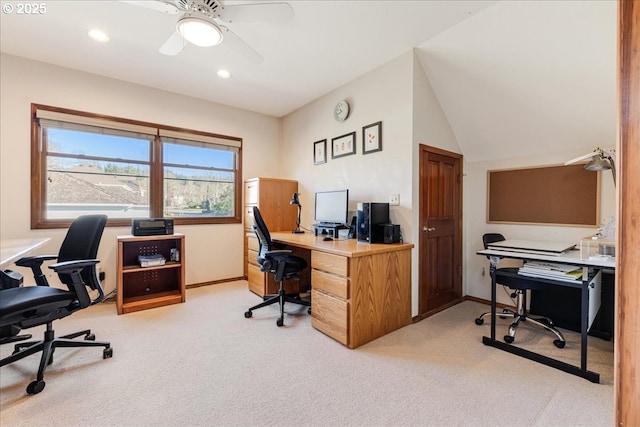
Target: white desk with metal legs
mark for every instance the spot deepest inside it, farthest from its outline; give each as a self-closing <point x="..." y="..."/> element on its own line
<point x="591" y="274"/>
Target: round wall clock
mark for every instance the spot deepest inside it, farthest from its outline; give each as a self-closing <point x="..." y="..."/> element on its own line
<point x="341" y="111"/>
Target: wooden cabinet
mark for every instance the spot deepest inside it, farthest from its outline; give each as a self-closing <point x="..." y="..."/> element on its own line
<point x="271" y="196"/>
<point x="140" y="288"/>
<point x="360" y="298"/>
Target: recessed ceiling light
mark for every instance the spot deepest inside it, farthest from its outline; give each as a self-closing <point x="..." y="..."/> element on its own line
<point x="223" y="74"/>
<point x="99" y="36"/>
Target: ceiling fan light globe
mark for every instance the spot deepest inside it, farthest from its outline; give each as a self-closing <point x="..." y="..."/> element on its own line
<point x="199" y="32"/>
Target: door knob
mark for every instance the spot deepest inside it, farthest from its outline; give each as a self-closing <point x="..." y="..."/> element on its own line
<point x="428" y="229"/>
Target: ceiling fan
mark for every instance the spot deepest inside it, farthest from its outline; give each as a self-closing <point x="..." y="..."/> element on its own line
<point x="204" y="22"/>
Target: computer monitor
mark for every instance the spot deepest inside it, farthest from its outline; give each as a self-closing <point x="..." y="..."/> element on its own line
<point x="332" y="207"/>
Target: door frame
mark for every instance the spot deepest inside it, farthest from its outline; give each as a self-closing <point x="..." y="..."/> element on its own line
<point x="425" y="150"/>
<point x="627" y="322"/>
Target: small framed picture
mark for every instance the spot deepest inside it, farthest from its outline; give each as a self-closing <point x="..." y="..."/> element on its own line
<point x="372" y="138"/>
<point x="344" y="145"/>
<point x="320" y="152"/>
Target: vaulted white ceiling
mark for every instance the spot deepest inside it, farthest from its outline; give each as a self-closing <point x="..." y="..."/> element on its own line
<point x="511" y="76"/>
<point x="528" y="77"/>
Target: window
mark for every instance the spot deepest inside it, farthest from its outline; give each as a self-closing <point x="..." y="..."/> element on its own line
<point x="83" y="163"/>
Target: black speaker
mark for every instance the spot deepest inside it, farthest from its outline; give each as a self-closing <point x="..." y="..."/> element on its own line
<point x="390" y="233"/>
<point x="352" y="228"/>
<point x="369" y="215"/>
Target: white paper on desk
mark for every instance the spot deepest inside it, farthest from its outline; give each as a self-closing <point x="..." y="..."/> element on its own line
<point x="532" y="246"/>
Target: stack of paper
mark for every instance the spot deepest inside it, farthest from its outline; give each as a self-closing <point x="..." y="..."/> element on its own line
<point x="551" y="270"/>
<point x="151" y="260"/>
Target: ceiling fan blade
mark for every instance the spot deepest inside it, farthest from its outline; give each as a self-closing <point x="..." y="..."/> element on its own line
<point x="257" y="12"/>
<point x="173" y="45"/>
<point x="157" y="5"/>
<point x="584" y="157"/>
<point x="232" y="41"/>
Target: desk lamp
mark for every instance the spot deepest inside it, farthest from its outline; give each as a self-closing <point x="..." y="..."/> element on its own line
<point x="295" y="201"/>
<point x="600" y="160"/>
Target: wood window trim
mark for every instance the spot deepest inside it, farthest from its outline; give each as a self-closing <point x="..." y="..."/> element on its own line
<point x="39" y="160"/>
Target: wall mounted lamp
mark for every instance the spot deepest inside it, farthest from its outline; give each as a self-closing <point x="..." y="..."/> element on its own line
<point x="599" y="160"/>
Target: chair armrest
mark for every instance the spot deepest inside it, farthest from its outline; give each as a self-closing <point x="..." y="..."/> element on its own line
<point x="35" y="264"/>
<point x="74" y="270"/>
<point x="31" y="261"/>
<point x="278" y="253"/>
<point x="68" y="267"/>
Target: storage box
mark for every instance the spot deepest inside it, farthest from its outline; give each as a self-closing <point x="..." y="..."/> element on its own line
<point x="595" y="247"/>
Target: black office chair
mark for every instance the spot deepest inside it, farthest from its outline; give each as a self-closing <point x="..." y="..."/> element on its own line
<point x="520" y="288"/>
<point x="10" y="333"/>
<point x="30" y="306"/>
<point x="281" y="264"/>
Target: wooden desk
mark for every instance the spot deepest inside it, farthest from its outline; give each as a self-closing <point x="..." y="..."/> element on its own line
<point x="12" y="250"/>
<point x="592" y="269"/>
<point x="360" y="291"/>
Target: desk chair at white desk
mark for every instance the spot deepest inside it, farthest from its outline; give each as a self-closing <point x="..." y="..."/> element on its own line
<point x="592" y="270"/>
<point x="520" y="286"/>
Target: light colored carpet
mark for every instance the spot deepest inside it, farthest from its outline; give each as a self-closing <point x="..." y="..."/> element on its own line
<point x="203" y="364"/>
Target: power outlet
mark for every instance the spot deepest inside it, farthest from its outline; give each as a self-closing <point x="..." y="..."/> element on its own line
<point x="394" y="200"/>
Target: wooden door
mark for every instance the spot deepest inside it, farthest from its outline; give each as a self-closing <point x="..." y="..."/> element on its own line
<point x="440" y="250"/>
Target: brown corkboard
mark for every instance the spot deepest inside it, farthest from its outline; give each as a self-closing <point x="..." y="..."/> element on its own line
<point x="567" y="195"/>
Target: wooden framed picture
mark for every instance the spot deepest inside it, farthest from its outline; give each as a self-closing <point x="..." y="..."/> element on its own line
<point x="344" y="145"/>
<point x="372" y="138"/>
<point x="320" y="152"/>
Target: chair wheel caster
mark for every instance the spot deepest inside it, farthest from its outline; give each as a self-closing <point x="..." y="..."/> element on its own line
<point x="35" y="387"/>
<point x="107" y="353"/>
<point x="558" y="343"/>
<point x="309" y="311"/>
<point x="248" y="314"/>
<point x="280" y="322"/>
<point x="90" y="337"/>
<point x="508" y="339"/>
<point x="479" y="321"/>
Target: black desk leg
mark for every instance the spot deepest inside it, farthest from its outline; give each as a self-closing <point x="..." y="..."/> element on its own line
<point x="494" y="297"/>
<point x="584" y="321"/>
<point x="554" y="363"/>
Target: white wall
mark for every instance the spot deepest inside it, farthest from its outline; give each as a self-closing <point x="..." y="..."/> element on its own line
<point x="385" y="94"/>
<point x="214" y="252"/>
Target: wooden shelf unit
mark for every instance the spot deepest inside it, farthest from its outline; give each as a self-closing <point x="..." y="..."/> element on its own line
<point x="141" y="288"/>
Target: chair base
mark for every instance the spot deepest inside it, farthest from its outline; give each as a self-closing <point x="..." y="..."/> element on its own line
<point x="280" y="298"/>
<point x="47" y="346"/>
<point x="9" y="334"/>
<point x="520" y="315"/>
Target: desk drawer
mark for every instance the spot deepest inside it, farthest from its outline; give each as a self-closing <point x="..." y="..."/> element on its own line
<point x="252" y="258"/>
<point x="330" y="263"/>
<point x="251" y="192"/>
<point x="252" y="243"/>
<point x="330" y="315"/>
<point x="249" y="220"/>
<point x="336" y="285"/>
<point x="256" y="279"/>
